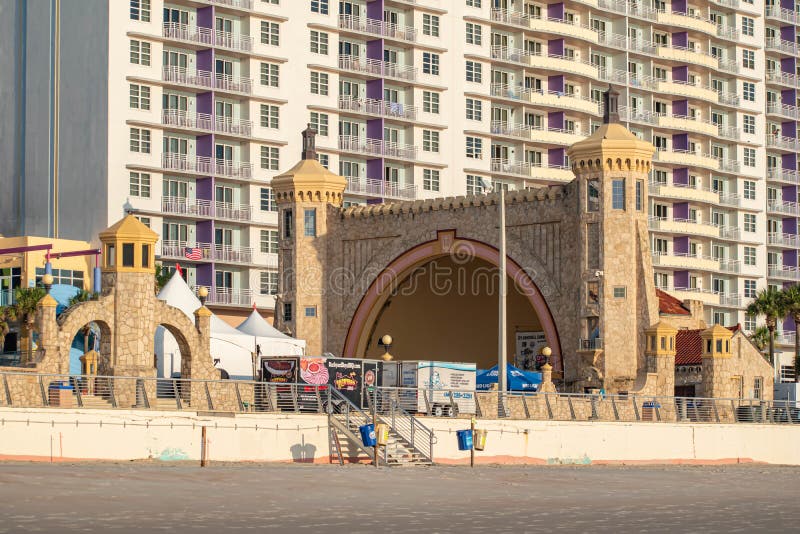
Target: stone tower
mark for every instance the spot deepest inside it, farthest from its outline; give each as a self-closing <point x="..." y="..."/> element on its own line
<point x="128" y="273"/>
<point x="618" y="300"/>
<point x="308" y="195"/>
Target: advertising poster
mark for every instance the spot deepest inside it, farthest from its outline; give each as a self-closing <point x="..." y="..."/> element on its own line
<point x="390" y="374"/>
<point x="282" y="371"/>
<point x="370" y="370"/>
<point x="346" y="376"/>
<point x="527" y="356"/>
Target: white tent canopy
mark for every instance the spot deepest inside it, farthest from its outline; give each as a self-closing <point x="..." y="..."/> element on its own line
<point x="233" y="349"/>
<point x="268" y="339"/>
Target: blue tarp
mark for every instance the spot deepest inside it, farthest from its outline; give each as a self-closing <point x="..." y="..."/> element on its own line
<point x="516" y="379"/>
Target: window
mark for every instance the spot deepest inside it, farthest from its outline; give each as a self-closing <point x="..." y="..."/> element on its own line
<point x="324" y="160"/>
<point x="749" y="322"/>
<point x="319" y="42"/>
<point x="145" y="255"/>
<point x="749" y="91"/>
<point x="268" y="199"/>
<point x="474" y="71"/>
<point x="430" y="141"/>
<point x="749" y="222"/>
<point x="288" y="221"/>
<point x="748" y="59"/>
<point x="430" y="63"/>
<point x="748" y="26"/>
<point x="639" y="194"/>
<point x="758" y="387"/>
<point x="430" y="25"/>
<point x="749" y="124"/>
<point x="140" y="10"/>
<point x="270" y="158"/>
<point x="269" y="241"/>
<point x="270" y="33"/>
<point x="140" y="96"/>
<point x="140" y="140"/>
<point x="144" y="220"/>
<point x="474" y="185"/>
<point x="620" y="292"/>
<point x="111" y="255"/>
<point x="319" y="83"/>
<point x="749" y="190"/>
<point x="310" y="311"/>
<point x="430" y="180"/>
<point x="287" y="312"/>
<point x="270" y="116"/>
<point x="474" y="147"/>
<point x="319" y="123"/>
<point x="749" y="157"/>
<point x="140" y="52"/>
<point x="618" y="194"/>
<point x="127" y="255"/>
<point x="474" y="34"/>
<point x="310" y="222"/>
<point x="268" y="282"/>
<point x="270" y="74"/>
<point x="473" y="3"/>
<point x="430" y="102"/>
<point x="319" y="6"/>
<point x="474" y="109"/>
<point x="749" y="288"/>
<point x="140" y="184"/>
<point x="660" y="177"/>
<point x="749" y="255"/>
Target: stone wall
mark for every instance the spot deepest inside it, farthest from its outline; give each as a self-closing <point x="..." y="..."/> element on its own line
<point x="734" y="377"/>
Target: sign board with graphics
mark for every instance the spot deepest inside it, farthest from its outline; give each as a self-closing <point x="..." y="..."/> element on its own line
<point x="529" y="345"/>
<point x="449" y="386"/>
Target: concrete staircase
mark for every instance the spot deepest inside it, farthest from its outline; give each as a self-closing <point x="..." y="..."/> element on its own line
<point x="94" y="402"/>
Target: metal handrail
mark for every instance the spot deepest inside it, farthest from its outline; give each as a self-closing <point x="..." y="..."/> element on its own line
<point x="403" y="423"/>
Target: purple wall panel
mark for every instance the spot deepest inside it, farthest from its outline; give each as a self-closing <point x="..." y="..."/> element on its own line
<point x="555" y="120"/>
<point x="205" y="17"/>
<point x="205" y="60"/>
<point x="375" y="169"/>
<point x="790" y="226"/>
<point x="789" y="129"/>
<point x="787" y="97"/>
<point x="787" y="4"/>
<point x="789" y="161"/>
<point x="680" y="108"/>
<point x="680" y="39"/>
<point x="555" y="84"/>
<point x="680" y="176"/>
<point x="205" y="103"/>
<point x="205" y="274"/>
<point x="205" y="231"/>
<point x="680" y="244"/>
<point x="555" y="157"/>
<point x="680" y="73"/>
<point x="680" y="279"/>
<point x="375" y="10"/>
<point x="787" y="65"/>
<point x="205" y="188"/>
<point x="555" y="47"/>
<point x="374" y="201"/>
<point x="788" y="323"/>
<point x="375" y="49"/>
<point x="680" y="210"/>
<point x="375" y="89"/>
<point x="205" y="146"/>
<point x="787" y="33"/>
<point x="679" y="6"/>
<point x="680" y="142"/>
<point x="555" y="11"/>
<point x="789" y="193"/>
<point x="790" y="258"/>
<point x="375" y="129"/>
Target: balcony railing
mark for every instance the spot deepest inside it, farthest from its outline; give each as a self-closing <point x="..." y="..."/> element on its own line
<point x="788" y="240"/>
<point x="231" y="296"/>
<point x="785" y="78"/>
<point x="786" y="208"/>
<point x="377" y="188"/>
<point x="783" y="14"/>
<point x="790" y="112"/>
<point x="234" y="126"/>
<point x="199" y="78"/>
<point x="377" y="27"/>
<point x="783" y="175"/>
<point x="783" y="271"/>
<point x="779" y="141"/>
<point x="241" y="4"/>
<point x="729" y="132"/>
<point x="590" y="344"/>
<point x="184" y="119"/>
<point x="776" y="43"/>
<point x="377" y="67"/>
<point x="730" y="266"/>
<point x="233" y="41"/>
<point x="230" y="254"/>
<point x="233" y="169"/>
<point x="206" y="208"/>
<point x="236" y="84"/>
<point x="383" y="108"/>
<point x="376" y="147"/>
<point x="207" y="36"/>
<point x="541" y="97"/>
<point x="205" y="252"/>
<point x="519" y="168"/>
<point x="182" y="162"/>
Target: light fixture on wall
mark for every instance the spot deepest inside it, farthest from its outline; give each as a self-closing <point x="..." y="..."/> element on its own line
<point x="47" y="282"/>
<point x="202" y="293"/>
<point x="386" y="343"/>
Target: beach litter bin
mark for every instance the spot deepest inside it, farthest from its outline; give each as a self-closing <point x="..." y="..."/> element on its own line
<point x="479" y="439"/>
<point x="60" y="394"/>
<point x="464" y="440"/>
<point x="368" y="435"/>
<point x="382" y="433"/>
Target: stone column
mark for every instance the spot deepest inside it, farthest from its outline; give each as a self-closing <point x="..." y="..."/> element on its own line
<point x="46" y="325"/>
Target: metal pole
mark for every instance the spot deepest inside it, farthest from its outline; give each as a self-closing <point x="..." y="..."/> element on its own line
<point x="203" y="447"/>
<point x="472" y="450"/>
<point x="502" y="358"/>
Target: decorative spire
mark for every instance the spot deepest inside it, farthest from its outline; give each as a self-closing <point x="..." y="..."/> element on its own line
<point x="611" y="106"/>
<point x="309" y="143"/>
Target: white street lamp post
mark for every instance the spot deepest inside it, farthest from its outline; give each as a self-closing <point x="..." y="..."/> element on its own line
<point x="502" y="357"/>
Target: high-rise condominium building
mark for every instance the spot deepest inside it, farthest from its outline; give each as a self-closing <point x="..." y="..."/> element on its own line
<point x="181" y="111"/>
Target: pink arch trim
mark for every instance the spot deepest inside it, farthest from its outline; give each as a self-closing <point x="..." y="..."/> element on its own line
<point x="431" y="250"/>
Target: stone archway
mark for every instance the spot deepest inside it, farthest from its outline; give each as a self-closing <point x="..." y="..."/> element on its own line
<point x="401" y="267"/>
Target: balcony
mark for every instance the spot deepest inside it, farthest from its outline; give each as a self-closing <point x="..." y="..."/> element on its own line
<point x="729" y="266"/>
<point x="175" y="161"/>
<point x="207" y="36"/>
<point x="184" y="119"/>
<point x="205" y="252"/>
<point x="547" y="98"/>
<point x="684" y="192"/>
<point x="784" y="240"/>
<point x="684" y="20"/>
<point x="786" y="143"/>
<point x="206" y="208"/>
<point x="785" y="338"/>
<point x="783" y="78"/>
<point x="729" y="132"/>
<point x="694" y="262"/>
<point x="239" y="4"/>
<point x="377" y="27"/>
<point x="684" y="227"/>
<point x="780" y="45"/>
<point x="233" y="84"/>
<point x="783" y="110"/>
<point x="201" y="78"/>
<point x="706" y="296"/>
<point x="782" y="14"/>
<point x="731" y="300"/>
<point x="728" y="165"/>
<point x="783" y="272"/>
<point x="227" y="296"/>
<point x="679" y="88"/>
<point x="691" y="124"/>
<point x="233" y="169"/>
<point x="374" y="67"/>
<point x="733" y="4"/>
<point x="377" y="147"/>
<point x="377" y="188"/>
<point x="230" y="125"/>
<point x="783" y="208"/>
<point x="555" y="136"/>
<point x="564" y="64"/>
<point x="688" y="55"/>
<point x="230" y="254"/>
<point x="544" y="24"/>
<point x="727" y="65"/>
<point x="685" y="158"/>
<point x="727" y="32"/>
<point x="382" y="108"/>
<point x="783" y="175"/>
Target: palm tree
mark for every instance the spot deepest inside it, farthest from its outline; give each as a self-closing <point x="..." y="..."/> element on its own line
<point x="791" y="300"/>
<point x="769" y="303"/>
<point x="82" y="296"/>
<point x="162" y="277"/>
<point x="5" y="325"/>
<point x="760" y="338"/>
<point x="24" y="310"/>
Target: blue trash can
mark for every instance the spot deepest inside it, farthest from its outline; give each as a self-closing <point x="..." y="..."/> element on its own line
<point x="368" y="435"/>
<point x="464" y="440"/>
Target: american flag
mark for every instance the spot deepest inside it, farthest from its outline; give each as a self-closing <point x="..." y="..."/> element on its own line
<point x="193" y="253"/>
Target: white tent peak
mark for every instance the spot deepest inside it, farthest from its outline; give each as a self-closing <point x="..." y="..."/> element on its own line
<point x="177" y="293"/>
<point x="255" y="325"/>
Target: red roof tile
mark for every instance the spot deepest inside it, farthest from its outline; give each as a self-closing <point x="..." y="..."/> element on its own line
<point x="669" y="305"/>
<point x="689" y="346"/>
